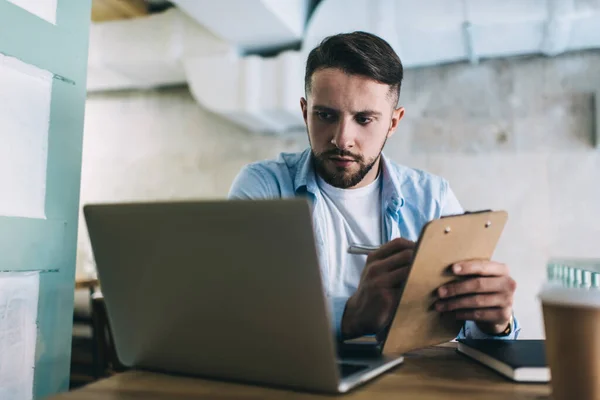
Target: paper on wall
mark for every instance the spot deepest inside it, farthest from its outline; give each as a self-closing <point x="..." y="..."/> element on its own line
<point x="45" y="9"/>
<point x="19" y="292"/>
<point x="24" y="124"/>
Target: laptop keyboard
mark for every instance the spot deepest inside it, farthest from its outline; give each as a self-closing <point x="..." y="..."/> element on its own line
<point x="349" y="369"/>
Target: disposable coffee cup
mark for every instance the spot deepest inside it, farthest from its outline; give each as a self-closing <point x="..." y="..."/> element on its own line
<point x="572" y="326"/>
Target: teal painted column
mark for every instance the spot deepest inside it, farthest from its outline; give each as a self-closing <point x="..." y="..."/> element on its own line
<point x="48" y="243"/>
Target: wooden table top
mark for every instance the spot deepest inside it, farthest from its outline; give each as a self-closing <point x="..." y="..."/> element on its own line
<point x="433" y="373"/>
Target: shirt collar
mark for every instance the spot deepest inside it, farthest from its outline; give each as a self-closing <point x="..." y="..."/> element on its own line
<point x="392" y="192"/>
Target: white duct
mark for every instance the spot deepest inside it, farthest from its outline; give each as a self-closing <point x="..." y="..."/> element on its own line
<point x="147" y="52"/>
<point x="251" y="25"/>
<point x="261" y="94"/>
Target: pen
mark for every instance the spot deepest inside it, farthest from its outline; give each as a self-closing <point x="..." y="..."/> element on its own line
<point x="361" y="249"/>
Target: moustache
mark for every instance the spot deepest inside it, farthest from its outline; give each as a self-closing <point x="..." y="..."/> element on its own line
<point x="341" y="153"/>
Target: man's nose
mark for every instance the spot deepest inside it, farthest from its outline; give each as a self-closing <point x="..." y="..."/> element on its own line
<point x="344" y="135"/>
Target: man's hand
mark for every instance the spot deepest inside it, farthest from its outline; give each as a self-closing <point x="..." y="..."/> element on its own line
<point x="377" y="295"/>
<point x="484" y="296"/>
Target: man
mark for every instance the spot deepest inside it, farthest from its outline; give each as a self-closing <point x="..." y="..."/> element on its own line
<point x="352" y="86"/>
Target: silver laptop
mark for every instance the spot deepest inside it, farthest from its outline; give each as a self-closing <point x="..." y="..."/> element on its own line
<point x="223" y="289"/>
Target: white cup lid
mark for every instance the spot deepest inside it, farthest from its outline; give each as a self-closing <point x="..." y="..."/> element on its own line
<point x="553" y="293"/>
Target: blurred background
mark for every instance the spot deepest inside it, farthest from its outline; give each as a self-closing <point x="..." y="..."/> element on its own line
<point x="500" y="97"/>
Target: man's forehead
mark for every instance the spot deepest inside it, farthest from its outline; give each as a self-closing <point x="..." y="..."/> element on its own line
<point x="335" y="88"/>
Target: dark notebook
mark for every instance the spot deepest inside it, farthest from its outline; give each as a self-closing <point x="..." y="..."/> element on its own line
<point x="518" y="360"/>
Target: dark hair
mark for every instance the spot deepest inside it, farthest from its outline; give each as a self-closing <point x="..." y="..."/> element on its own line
<point x="357" y="53"/>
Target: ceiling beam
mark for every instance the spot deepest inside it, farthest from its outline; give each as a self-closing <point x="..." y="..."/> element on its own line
<point x="110" y="10"/>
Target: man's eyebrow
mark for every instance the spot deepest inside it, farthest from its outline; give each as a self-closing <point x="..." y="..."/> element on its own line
<point x="334" y="111"/>
<point x="372" y="113"/>
<point x="326" y="109"/>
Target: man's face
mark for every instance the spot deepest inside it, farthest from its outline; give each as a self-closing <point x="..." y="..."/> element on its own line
<point x="348" y="118"/>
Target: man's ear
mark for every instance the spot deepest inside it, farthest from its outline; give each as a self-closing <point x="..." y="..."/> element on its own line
<point x="397" y="115"/>
<point x="304" y="107"/>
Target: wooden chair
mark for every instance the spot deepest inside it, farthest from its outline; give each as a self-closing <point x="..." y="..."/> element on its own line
<point x="93" y="354"/>
<point x="107" y="362"/>
<point x="83" y="355"/>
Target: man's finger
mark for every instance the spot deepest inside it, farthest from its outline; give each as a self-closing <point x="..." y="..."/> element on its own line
<point x="480" y="267"/>
<point x="398" y="260"/>
<point x="484" y="314"/>
<point x="484" y="284"/>
<point x="475" y="301"/>
<point x="390" y="248"/>
<point x="392" y="279"/>
<point x="395" y="261"/>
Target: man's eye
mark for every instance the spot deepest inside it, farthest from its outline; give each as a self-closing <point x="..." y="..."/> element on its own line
<point x="324" y="116"/>
<point x="363" y="120"/>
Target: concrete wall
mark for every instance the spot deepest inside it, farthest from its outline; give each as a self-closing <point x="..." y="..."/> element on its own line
<point x="509" y="134"/>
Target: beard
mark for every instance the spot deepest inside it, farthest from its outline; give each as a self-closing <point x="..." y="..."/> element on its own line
<point x="342" y="177"/>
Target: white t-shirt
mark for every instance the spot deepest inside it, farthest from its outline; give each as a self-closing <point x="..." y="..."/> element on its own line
<point x="353" y="216"/>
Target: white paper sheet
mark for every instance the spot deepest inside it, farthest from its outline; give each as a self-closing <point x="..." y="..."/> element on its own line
<point x="45" y="9"/>
<point x="19" y="292"/>
<point x="24" y="123"/>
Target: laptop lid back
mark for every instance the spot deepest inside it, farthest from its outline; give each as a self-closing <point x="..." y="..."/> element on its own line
<point x="226" y="289"/>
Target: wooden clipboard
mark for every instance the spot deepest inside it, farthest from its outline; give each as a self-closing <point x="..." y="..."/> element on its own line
<point x="443" y="242"/>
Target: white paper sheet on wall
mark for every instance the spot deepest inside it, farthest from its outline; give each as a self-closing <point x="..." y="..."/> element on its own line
<point x="45" y="9"/>
<point x="19" y="292"/>
<point x="24" y="123"/>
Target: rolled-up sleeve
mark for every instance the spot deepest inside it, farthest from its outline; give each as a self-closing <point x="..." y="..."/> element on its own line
<point x="470" y="330"/>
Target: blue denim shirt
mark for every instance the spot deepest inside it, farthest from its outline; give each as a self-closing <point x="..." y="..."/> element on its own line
<point x="410" y="199"/>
